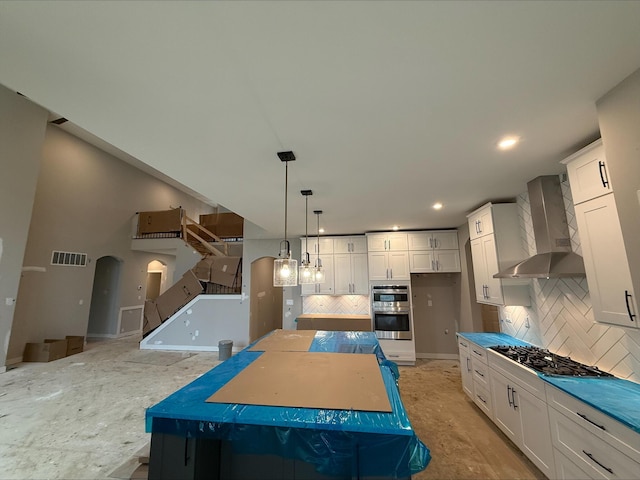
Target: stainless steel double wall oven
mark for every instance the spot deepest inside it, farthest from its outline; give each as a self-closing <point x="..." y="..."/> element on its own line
<point x="391" y="311"/>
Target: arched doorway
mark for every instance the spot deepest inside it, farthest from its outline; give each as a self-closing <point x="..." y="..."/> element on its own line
<point x="265" y="311"/>
<point x="105" y="298"/>
<point x="156" y="278"/>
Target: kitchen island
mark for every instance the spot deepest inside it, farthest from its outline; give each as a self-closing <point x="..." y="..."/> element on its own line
<point x="334" y="322"/>
<point x="192" y="438"/>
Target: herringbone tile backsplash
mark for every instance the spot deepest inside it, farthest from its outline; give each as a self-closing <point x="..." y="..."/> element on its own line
<point x="560" y="317"/>
<point x="342" y="304"/>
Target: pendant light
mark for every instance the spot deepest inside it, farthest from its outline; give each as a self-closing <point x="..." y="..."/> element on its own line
<point x="319" y="273"/>
<point x="285" y="269"/>
<point x="307" y="271"/>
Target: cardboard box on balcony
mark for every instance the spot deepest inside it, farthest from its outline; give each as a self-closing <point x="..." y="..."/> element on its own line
<point x="75" y="344"/>
<point x="225" y="271"/>
<point x="226" y="224"/>
<point x="152" y="318"/>
<point x="46" y="351"/>
<point x="202" y="269"/>
<point x="177" y="296"/>
<point x="162" y="221"/>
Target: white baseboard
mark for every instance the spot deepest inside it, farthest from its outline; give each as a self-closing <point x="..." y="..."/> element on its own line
<point x="102" y="335"/>
<point x="438" y="356"/>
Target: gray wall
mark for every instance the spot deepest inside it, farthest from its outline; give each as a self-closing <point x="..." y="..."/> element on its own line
<point x="84" y="202"/>
<point x="22" y="129"/>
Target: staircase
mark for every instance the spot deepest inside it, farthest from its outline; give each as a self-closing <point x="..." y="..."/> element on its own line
<point x="199" y="238"/>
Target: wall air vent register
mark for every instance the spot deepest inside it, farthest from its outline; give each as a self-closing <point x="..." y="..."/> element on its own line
<point x="69" y="259"/>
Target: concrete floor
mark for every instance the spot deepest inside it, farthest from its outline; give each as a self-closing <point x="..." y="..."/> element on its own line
<point x="82" y="417"/>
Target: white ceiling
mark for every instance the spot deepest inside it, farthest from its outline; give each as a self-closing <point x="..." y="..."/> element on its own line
<point x="388" y="106"/>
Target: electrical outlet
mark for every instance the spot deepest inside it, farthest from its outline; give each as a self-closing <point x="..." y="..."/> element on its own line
<point x="508" y="320"/>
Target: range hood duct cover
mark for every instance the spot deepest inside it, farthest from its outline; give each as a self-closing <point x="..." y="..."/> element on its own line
<point x="553" y="244"/>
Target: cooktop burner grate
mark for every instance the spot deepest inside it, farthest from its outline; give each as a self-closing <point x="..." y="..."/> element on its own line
<point x="548" y="363"/>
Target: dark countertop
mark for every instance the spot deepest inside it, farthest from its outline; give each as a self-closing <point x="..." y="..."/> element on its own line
<point x="614" y="397"/>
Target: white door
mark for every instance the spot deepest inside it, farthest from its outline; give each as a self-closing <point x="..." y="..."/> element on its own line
<point x="479" y="269"/>
<point x="342" y="245"/>
<point x="536" y="433"/>
<point x="377" y="242"/>
<point x="494" y="285"/>
<point x="397" y="242"/>
<point x="420" y="241"/>
<point x="605" y="262"/>
<point x="358" y="244"/>
<point x="589" y="176"/>
<point x="327" y="287"/>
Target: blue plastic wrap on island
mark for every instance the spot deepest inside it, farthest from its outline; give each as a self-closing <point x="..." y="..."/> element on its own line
<point x="347" y="342"/>
<point x="385" y="442"/>
<point x="612" y="396"/>
<point x="489" y="339"/>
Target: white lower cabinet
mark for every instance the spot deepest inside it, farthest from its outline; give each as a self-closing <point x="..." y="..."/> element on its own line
<point x="520" y="410"/>
<point x="465" y="367"/>
<point x="594" y="443"/>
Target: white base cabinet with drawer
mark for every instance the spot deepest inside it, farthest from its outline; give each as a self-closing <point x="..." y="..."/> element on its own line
<point x="596" y="444"/>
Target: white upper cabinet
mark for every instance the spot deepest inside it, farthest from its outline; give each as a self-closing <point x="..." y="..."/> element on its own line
<point x="356" y="244"/>
<point x="495" y="251"/>
<point x="588" y="173"/>
<point x="603" y="247"/>
<point x="326" y="246"/>
<point x="434" y="251"/>
<point x="387" y="242"/>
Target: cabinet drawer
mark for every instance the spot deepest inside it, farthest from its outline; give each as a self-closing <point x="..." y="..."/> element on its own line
<point x="478" y="354"/>
<point x="589" y="452"/>
<point x="482" y="398"/>
<point x="463" y="344"/>
<point x="596" y="422"/>
<point x="480" y="373"/>
<point x="566" y="469"/>
<point x="520" y="374"/>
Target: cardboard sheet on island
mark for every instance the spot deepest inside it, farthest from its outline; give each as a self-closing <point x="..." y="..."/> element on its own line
<point x="285" y="341"/>
<point x="340" y="381"/>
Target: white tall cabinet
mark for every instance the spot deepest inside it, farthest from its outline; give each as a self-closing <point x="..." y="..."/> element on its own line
<point x="351" y="273"/>
<point x="496" y="245"/>
<point x="605" y="257"/>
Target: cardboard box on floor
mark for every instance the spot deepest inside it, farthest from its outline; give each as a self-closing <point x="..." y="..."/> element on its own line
<point x="46" y="351"/>
<point x="75" y="344"/>
<point x="152" y="318"/>
<point x="177" y="296"/>
<point x="160" y="222"/>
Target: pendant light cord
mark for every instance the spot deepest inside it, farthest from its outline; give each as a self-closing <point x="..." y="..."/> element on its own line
<point x="286" y="188"/>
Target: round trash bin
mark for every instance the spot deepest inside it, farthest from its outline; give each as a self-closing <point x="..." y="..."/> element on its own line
<point x="224" y="349"/>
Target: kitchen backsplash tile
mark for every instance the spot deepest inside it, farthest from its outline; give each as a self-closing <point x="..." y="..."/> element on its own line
<point x="560" y="317"/>
<point x="340" y="304"/>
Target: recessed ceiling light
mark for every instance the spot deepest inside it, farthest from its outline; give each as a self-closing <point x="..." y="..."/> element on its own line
<point x="321" y="230"/>
<point x="437" y="206"/>
<point x="395" y="228"/>
<point x="508" y="142"/>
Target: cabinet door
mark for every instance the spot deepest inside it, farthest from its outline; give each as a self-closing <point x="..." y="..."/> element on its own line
<point x="327" y="288"/>
<point x="465" y="370"/>
<point x="377" y="242"/>
<point x="479" y="269"/>
<point x="359" y="274"/>
<point x="589" y="176"/>
<point x="421" y="261"/>
<point x="358" y="244"/>
<point x="605" y="262"/>
<point x="494" y="286"/>
<point x="342" y="245"/>
<point x="447" y="260"/>
<point x="445" y="240"/>
<point x="420" y="241"/>
<point x="399" y="265"/>
<point x="536" y="433"/>
<point x="342" y="273"/>
<point x="309" y="289"/>
<point x="378" y="267"/>
<point x="506" y="417"/>
<point x="398" y="242"/>
<point x="481" y="223"/>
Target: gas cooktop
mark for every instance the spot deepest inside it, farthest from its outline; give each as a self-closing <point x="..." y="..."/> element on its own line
<point x="548" y="363"/>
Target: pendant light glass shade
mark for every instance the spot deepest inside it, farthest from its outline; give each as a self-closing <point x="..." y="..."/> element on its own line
<point x="285" y="269"/>
<point x="306" y="273"/>
<point x="319" y="276"/>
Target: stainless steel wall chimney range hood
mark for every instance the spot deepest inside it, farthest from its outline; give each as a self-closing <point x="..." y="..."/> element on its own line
<point x="553" y="244"/>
